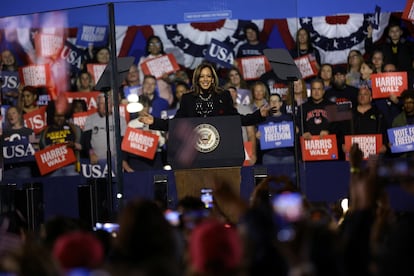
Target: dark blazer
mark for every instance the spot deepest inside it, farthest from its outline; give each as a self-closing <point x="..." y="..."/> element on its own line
<point x="222" y="106"/>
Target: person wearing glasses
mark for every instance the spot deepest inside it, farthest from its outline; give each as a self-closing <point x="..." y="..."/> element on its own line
<point x="155" y="48"/>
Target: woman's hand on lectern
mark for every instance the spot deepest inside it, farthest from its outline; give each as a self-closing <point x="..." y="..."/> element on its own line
<point x="146" y="118"/>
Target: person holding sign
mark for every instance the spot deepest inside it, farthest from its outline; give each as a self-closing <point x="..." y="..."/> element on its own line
<point x="142" y="163"/>
<point x="406" y="117"/>
<point x="276" y="133"/>
<point x="252" y="46"/>
<point x="206" y="99"/>
<point x="94" y="134"/>
<point x="304" y="47"/>
<point x="235" y="79"/>
<point x="154" y="49"/>
<point x="60" y="131"/>
<point x="367" y="119"/>
<point x="18" y="152"/>
<point x="396" y="48"/>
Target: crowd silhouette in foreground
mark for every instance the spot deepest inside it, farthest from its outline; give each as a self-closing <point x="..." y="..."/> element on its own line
<point x="278" y="232"/>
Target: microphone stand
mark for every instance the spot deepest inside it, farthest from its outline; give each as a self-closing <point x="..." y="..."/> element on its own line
<point x="108" y="154"/>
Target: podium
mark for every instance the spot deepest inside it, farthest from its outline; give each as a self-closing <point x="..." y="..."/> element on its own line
<point x="204" y="150"/>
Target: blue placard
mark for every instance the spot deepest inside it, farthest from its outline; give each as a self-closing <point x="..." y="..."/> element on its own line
<point x="276" y="135"/>
<point x="220" y="53"/>
<point x="17" y="151"/>
<point x="92" y="34"/>
<point x="73" y="56"/>
<point x="401" y="138"/>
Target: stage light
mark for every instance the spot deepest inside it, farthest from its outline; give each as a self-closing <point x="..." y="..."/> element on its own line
<point x="134" y="107"/>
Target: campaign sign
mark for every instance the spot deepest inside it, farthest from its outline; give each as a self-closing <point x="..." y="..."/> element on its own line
<point x="278" y="88"/>
<point x="370" y="144"/>
<point x="401" y="138"/>
<point x="17" y="150"/>
<point x="140" y="142"/>
<point x="96" y="70"/>
<point x="408" y="12"/>
<point x="36" y="119"/>
<point x="54" y="157"/>
<point x="159" y="66"/>
<point x="248" y="151"/>
<point x="385" y="84"/>
<point x="91" y="34"/>
<point x="307" y="66"/>
<point x="79" y="118"/>
<point x="73" y="56"/>
<point x="318" y="148"/>
<point x="48" y="45"/>
<point x="276" y="135"/>
<point x="253" y="67"/>
<point x="89" y="97"/>
<point x="220" y="53"/>
<point x="124" y="113"/>
<point x="35" y="75"/>
<point x="10" y="81"/>
<point x="98" y="170"/>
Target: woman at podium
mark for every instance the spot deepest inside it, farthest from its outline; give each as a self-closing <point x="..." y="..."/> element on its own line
<point x="206" y="99"/>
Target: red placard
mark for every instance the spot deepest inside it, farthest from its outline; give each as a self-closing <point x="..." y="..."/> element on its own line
<point x="370" y="144"/>
<point x="318" y="148"/>
<point x="408" y="12"/>
<point x="253" y="67"/>
<point x="89" y="97"/>
<point x="159" y="66"/>
<point x="48" y="45"/>
<point x="248" y="151"/>
<point x="307" y="66"/>
<point x="36" y="119"/>
<point x="124" y="113"/>
<point x="54" y="157"/>
<point x="140" y="142"/>
<point x="79" y="118"/>
<point x="96" y="71"/>
<point x="35" y="75"/>
<point x="385" y="84"/>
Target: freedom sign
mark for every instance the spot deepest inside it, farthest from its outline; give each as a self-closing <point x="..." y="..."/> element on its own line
<point x="401" y="138"/>
<point x="307" y="66"/>
<point x="370" y="144"/>
<point x="35" y="75"/>
<point x="220" y="53"/>
<point x="140" y="142"/>
<point x="318" y="148"/>
<point x="96" y="70"/>
<point x="276" y="135"/>
<point x="54" y="157"/>
<point x="159" y="66"/>
<point x="252" y="68"/>
<point x="48" y="45"/>
<point x="90" y="34"/>
<point x="385" y="84"/>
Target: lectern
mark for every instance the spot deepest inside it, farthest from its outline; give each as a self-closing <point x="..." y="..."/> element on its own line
<point x="203" y="150"/>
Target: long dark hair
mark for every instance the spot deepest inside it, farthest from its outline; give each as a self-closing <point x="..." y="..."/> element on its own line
<point x="148" y="42"/>
<point x="196" y="76"/>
